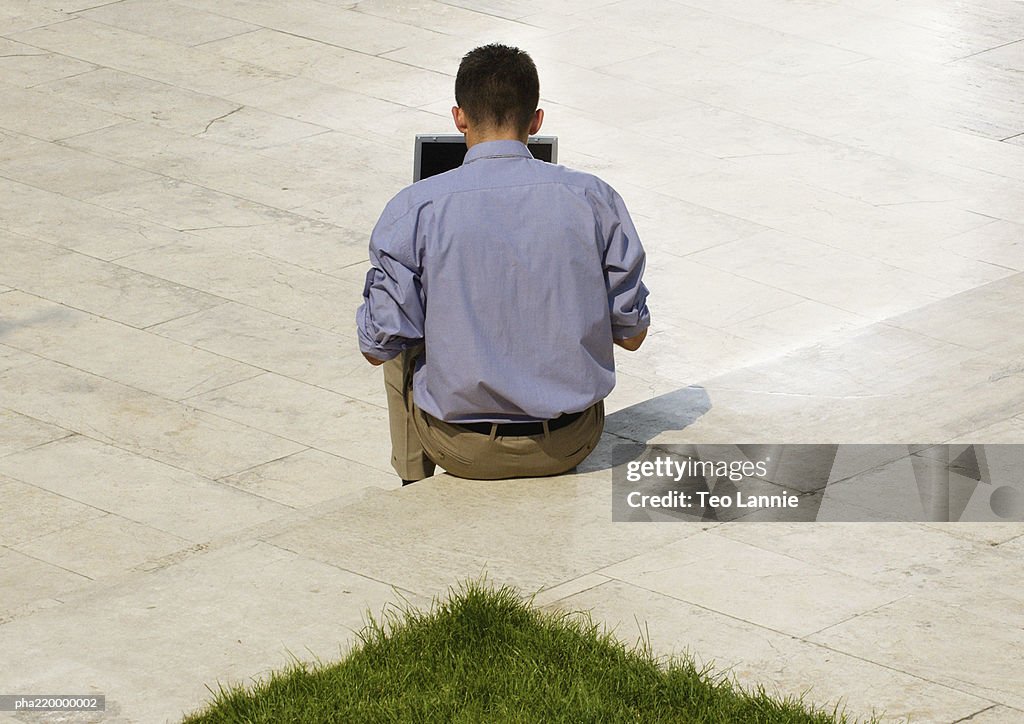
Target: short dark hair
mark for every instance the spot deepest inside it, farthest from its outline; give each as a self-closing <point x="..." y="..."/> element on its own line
<point x="497" y="86"/>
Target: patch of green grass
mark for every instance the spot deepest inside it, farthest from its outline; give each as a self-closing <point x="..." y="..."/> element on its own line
<point x="484" y="655"/>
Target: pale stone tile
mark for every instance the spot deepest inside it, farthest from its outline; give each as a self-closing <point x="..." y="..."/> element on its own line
<point x="727" y="134"/>
<point x="96" y="231"/>
<point x="512" y="10"/>
<point x="399" y="128"/>
<point x="31" y="512"/>
<point x="95" y="286"/>
<point x="40" y="115"/>
<point x="256" y="129"/>
<point x="330" y="360"/>
<point x="997" y="197"/>
<point x="18" y="15"/>
<point x="286" y="53"/>
<point x="571" y="125"/>
<point x="669" y="413"/>
<point x="977" y="98"/>
<point x="972" y="318"/>
<point x="25" y="580"/>
<point x="336" y="150"/>
<point x="555" y="20"/>
<point x="934" y="404"/>
<point x="588" y="90"/>
<point x="952" y="152"/>
<point x="689" y="352"/>
<point x="994" y="19"/>
<point x="141" y="99"/>
<point x="1015" y="546"/>
<point x="796" y="325"/>
<point x="797" y="57"/>
<point x="19" y="432"/>
<point x="104" y="546"/>
<point x="951" y="562"/>
<point x="856" y="174"/>
<point x="441" y="17"/>
<point x="631" y="389"/>
<point x="324" y="104"/>
<point x="593" y="45"/>
<point x="992" y="534"/>
<point x="1007" y="431"/>
<point x="821" y="273"/>
<point x="357" y="207"/>
<point x="137" y="421"/>
<point x="115" y="351"/>
<point x="370" y="75"/>
<point x="227" y="629"/>
<point x="441" y="54"/>
<point x="306" y="414"/>
<point x="752" y="656"/>
<point x="241" y="173"/>
<point x="890" y="38"/>
<point x="256" y="280"/>
<point x="667" y="225"/>
<point x="178" y="503"/>
<point x="913" y="252"/>
<point x="13" y="144"/>
<point x="309" y="477"/>
<point x="26" y="66"/>
<point x="551" y="597"/>
<point x="708" y="294"/>
<point x="69" y="172"/>
<point x="169" y="21"/>
<point x="193" y="68"/>
<point x="186" y="206"/>
<point x="999" y="242"/>
<point x="155" y="148"/>
<point x="677" y="571"/>
<point x="297" y="240"/>
<point x="322" y="22"/>
<point x="537" y="532"/>
<point x="848" y="364"/>
<point x="613" y="158"/>
<point x="950" y="645"/>
<point x="715" y="36"/>
<point x="995" y="714"/>
<point x="11" y="358"/>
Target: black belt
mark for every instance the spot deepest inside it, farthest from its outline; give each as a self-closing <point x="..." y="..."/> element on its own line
<point x="520" y="429"/>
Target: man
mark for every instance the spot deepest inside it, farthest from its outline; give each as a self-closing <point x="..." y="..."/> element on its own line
<point x="496" y="293"/>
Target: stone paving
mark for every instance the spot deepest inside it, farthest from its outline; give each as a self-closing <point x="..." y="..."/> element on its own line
<point x="193" y="455"/>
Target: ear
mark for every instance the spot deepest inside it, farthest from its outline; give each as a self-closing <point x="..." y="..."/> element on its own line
<point x="537" y="121"/>
<point x="459" y="116"/>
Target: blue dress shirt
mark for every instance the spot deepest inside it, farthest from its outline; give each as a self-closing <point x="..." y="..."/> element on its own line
<point x="517" y="274"/>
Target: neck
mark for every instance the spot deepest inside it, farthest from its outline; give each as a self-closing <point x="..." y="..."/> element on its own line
<point x="475" y="136"/>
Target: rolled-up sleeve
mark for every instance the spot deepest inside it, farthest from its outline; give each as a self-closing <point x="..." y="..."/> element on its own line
<point x="391" y="316"/>
<point x="624" y="262"/>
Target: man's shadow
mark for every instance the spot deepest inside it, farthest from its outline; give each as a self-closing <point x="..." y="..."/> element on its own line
<point x="643" y="422"/>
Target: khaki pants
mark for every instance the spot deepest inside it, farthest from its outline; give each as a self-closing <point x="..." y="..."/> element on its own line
<point x="419" y="441"/>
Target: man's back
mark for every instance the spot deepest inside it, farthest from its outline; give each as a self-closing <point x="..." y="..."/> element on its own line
<point x="496" y="292"/>
<point x="515" y="272"/>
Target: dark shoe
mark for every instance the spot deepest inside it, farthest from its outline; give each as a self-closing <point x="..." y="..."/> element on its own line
<point x="408" y="482"/>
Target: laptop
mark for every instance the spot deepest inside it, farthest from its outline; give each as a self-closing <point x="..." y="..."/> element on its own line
<point x="440" y="152"/>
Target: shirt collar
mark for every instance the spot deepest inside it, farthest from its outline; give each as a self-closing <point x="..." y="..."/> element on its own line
<point x="497" y="149"/>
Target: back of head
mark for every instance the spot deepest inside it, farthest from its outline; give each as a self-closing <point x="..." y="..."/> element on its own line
<point x="497" y="87"/>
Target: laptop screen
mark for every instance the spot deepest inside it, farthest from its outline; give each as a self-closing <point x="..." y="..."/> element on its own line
<point x="437" y="153"/>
